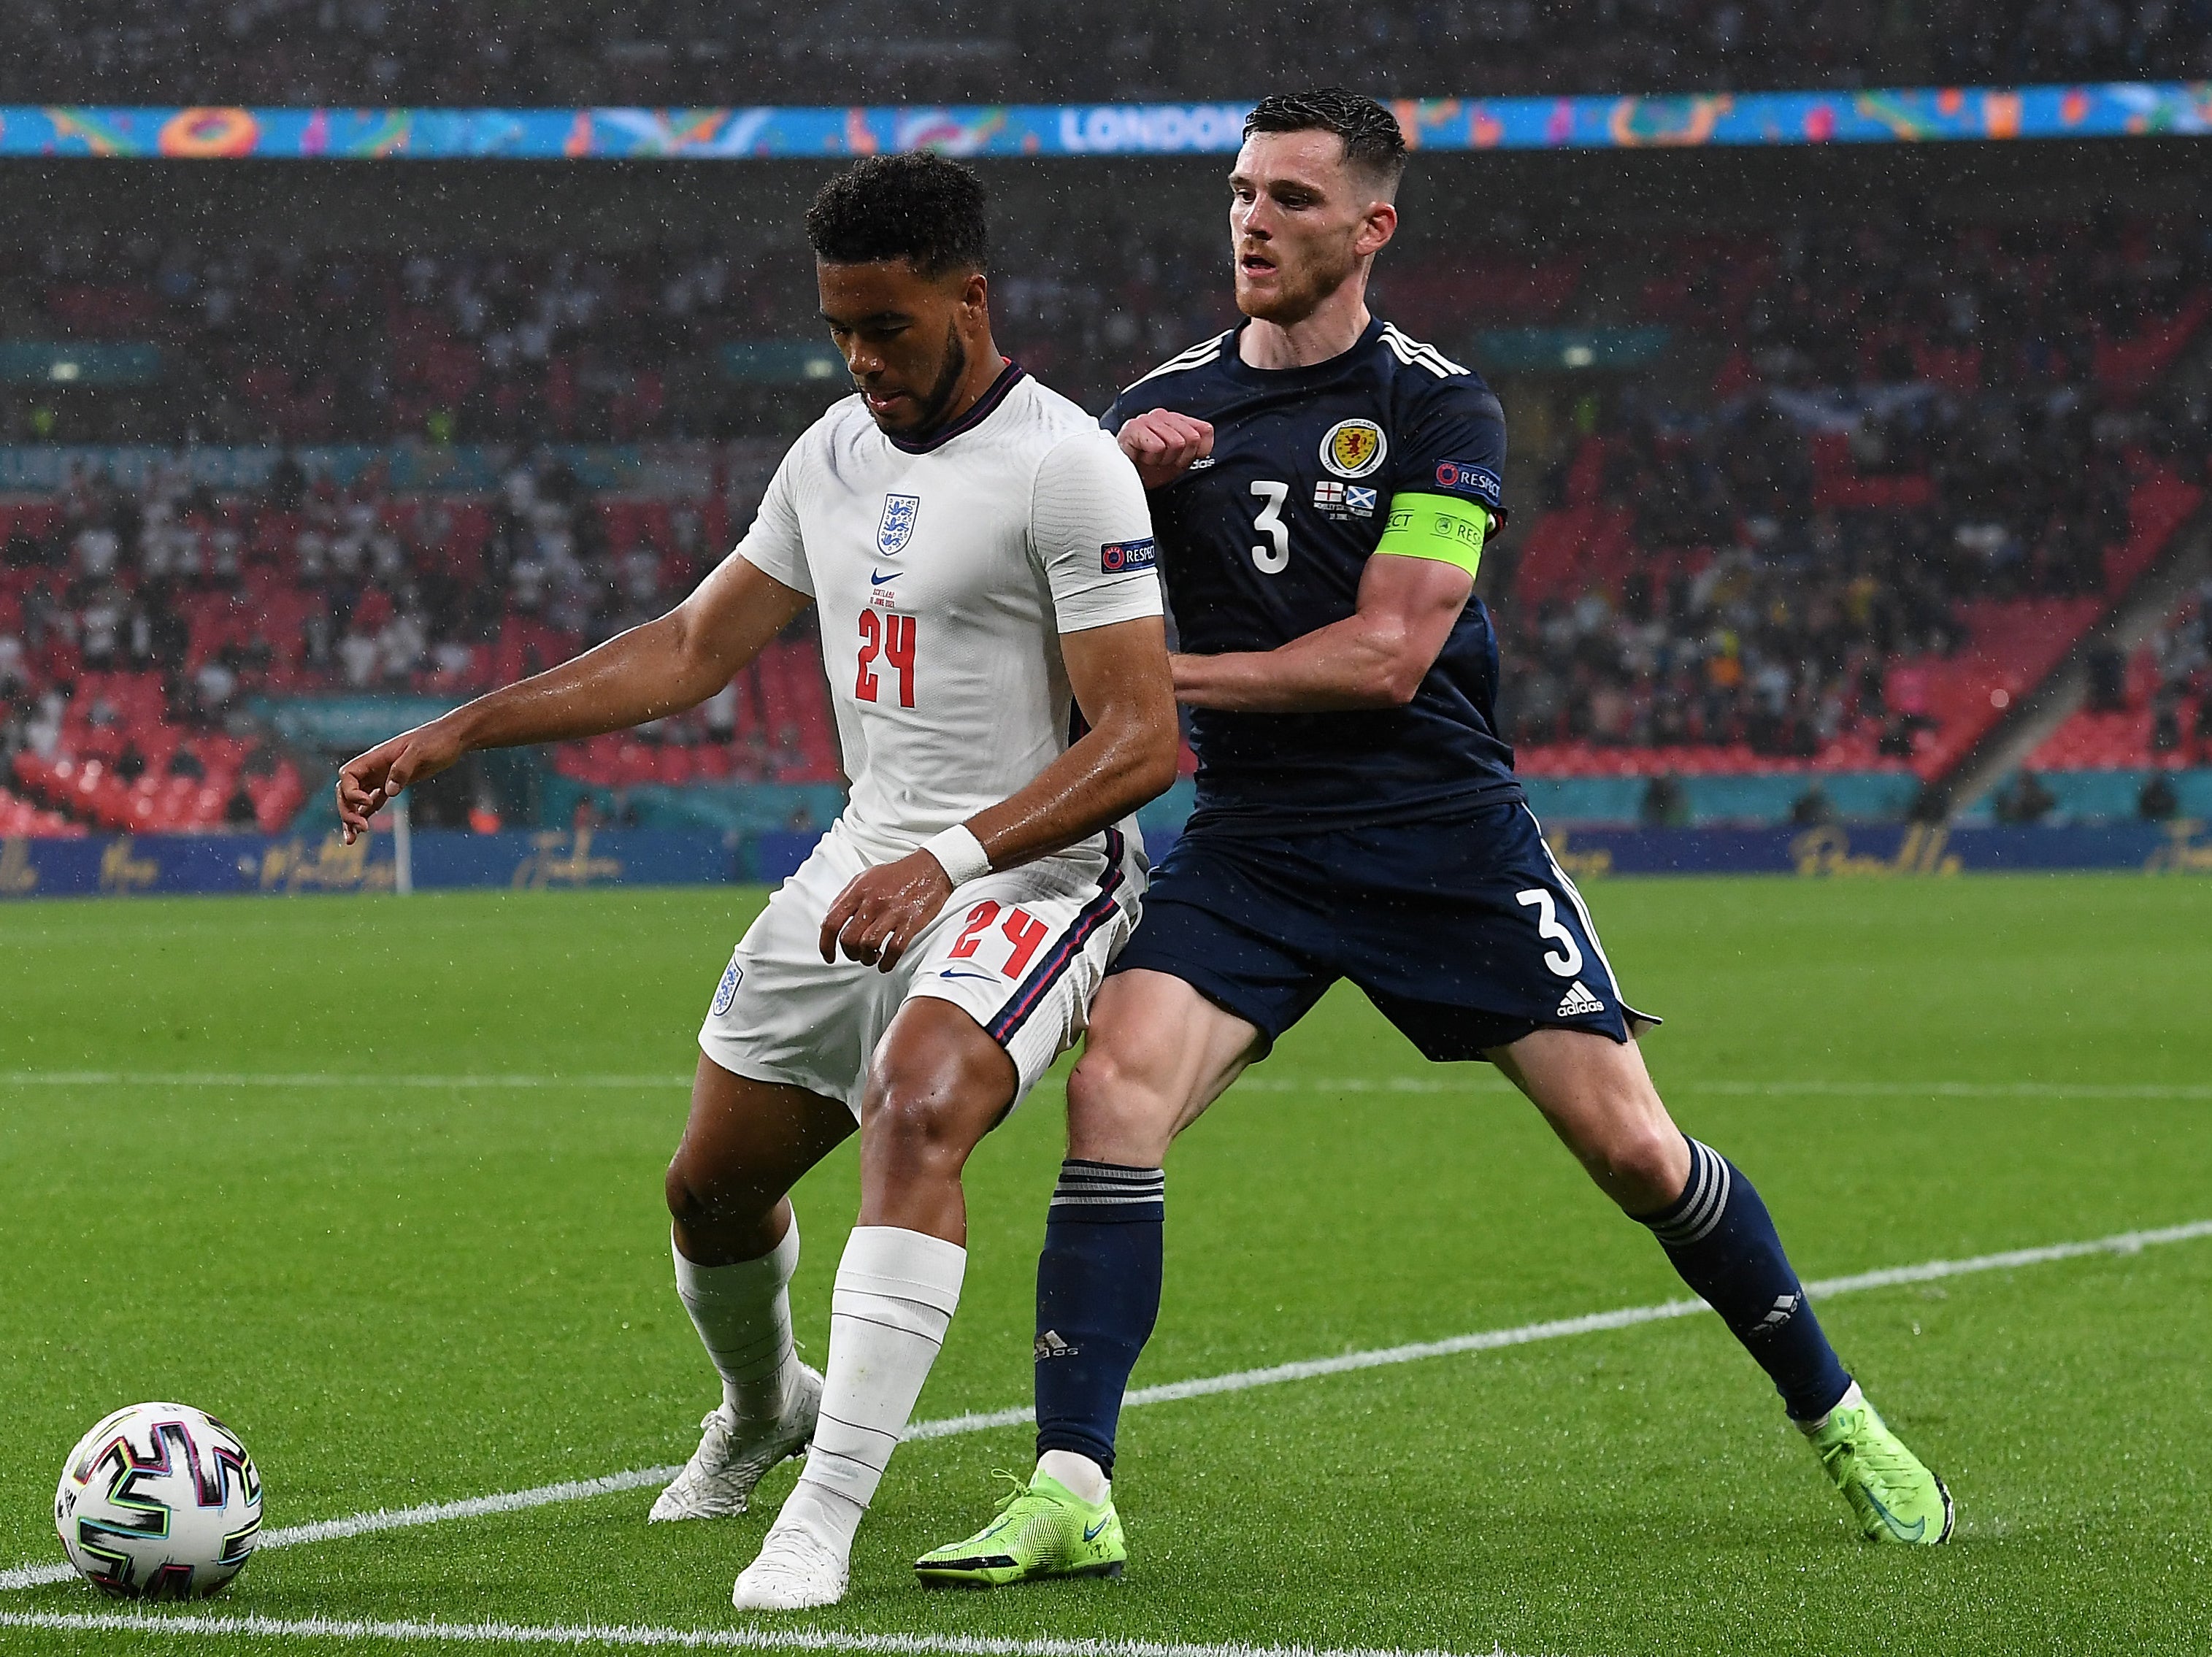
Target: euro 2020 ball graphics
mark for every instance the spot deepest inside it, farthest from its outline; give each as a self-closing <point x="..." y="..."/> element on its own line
<point x="158" y="1502"/>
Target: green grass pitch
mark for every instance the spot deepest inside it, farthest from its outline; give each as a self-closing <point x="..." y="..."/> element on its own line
<point x="401" y="1293"/>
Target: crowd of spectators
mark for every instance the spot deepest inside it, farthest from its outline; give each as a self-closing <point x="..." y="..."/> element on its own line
<point x="2169" y="677"/>
<point x="1775" y="648"/>
<point x="686" y="52"/>
<point x="1746" y="613"/>
<point x="1857" y="430"/>
<point x="138" y="628"/>
<point x="1906" y="426"/>
<point x="264" y="342"/>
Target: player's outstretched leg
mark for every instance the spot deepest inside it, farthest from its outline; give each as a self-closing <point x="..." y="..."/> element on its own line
<point x="736" y="1244"/>
<point x="1157" y="1054"/>
<point x="938" y="1084"/>
<point x="1718" y="1236"/>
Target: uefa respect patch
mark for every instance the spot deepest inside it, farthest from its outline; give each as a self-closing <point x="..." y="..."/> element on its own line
<point x="1465" y="478"/>
<point x="1120" y="557"/>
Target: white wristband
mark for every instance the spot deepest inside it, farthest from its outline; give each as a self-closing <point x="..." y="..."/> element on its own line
<point x="959" y="853"/>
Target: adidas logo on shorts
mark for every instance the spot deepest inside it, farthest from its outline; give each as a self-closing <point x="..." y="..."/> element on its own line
<point x="1580" y="1002"/>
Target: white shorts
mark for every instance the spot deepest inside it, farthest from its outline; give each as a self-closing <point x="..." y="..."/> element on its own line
<point x="1022" y="953"/>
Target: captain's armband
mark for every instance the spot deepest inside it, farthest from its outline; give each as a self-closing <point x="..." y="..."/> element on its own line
<point x="1442" y="527"/>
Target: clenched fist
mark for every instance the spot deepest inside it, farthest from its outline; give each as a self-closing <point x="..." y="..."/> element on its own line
<point x="1163" y="444"/>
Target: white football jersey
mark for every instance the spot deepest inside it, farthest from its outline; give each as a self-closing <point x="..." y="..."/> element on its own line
<point x="943" y="574"/>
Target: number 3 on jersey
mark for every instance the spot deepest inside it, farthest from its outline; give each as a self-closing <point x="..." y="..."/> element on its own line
<point x="887" y="634"/>
<point x="1272" y="561"/>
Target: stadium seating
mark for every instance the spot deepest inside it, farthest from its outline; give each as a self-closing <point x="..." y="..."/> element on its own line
<point x="594" y="51"/>
<point x="1965" y="479"/>
<point x="1822" y="560"/>
<point x="2164" y="715"/>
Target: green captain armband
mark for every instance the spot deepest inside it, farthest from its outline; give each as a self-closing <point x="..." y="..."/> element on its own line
<point x="1439" y="526"/>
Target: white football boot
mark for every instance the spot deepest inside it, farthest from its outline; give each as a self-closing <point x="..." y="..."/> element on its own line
<point x="719" y="1479"/>
<point x="796" y="1571"/>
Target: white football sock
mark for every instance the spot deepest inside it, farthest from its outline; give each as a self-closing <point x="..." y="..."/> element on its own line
<point x="743" y="1315"/>
<point x="896" y="1293"/>
<point x="1080" y="1476"/>
<point x="1852" y="1399"/>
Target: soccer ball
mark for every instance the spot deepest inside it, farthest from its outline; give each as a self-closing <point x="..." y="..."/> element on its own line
<point x="158" y="1502"/>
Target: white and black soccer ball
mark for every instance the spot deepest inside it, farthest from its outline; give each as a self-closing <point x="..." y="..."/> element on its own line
<point x="158" y="1502"/>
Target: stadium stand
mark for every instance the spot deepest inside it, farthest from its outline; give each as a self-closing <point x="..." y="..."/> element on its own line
<point x="1919" y="478"/>
<point x="1878" y="483"/>
<point x="2152" y="708"/>
<point x="683" y="53"/>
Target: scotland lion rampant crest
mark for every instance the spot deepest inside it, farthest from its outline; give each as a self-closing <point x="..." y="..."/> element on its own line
<point x="1353" y="448"/>
<point x="897" y="528"/>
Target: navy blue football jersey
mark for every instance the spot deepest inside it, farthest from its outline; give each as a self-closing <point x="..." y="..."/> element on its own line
<point x="1265" y="540"/>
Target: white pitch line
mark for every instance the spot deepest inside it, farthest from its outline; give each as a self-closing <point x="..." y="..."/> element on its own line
<point x="1469" y="1080"/>
<point x="400" y="1518"/>
<point x="1487" y="1340"/>
<point x="1489" y="1082"/>
<point x="114" y="1079"/>
<point x="593" y="1634"/>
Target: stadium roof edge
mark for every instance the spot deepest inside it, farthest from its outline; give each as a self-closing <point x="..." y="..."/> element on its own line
<point x="1881" y="116"/>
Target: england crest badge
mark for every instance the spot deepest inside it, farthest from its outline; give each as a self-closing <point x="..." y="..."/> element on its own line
<point x="726" y="991"/>
<point x="897" y="528"/>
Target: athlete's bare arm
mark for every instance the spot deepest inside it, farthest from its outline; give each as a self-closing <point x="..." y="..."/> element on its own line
<point x="1376" y="657"/>
<point x="663" y="667"/>
<point x="1119" y="673"/>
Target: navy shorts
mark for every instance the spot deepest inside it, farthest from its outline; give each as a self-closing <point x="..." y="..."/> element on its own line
<point x="1464" y="931"/>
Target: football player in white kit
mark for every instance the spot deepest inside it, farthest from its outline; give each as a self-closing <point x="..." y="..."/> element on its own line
<point x="979" y="555"/>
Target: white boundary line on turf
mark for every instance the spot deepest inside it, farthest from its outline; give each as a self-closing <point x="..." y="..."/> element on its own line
<point x="1465" y="1082"/>
<point x="201" y="1078"/>
<point x="1491" y="1340"/>
<point x="591" y="1634"/>
<point x="1488" y="1340"/>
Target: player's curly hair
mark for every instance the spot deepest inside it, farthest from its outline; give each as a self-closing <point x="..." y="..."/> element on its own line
<point x="922" y="207"/>
<point x="1372" y="142"/>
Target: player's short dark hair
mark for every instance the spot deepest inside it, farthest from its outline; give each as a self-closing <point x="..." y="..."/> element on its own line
<point x="923" y="207"/>
<point x="1372" y="143"/>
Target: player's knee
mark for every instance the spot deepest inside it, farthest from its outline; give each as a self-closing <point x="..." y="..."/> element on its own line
<point x="1115" y="1114"/>
<point x="1642" y="1164"/>
<point x="692" y="1193"/>
<point x="676" y="1186"/>
<point x="910" y="1121"/>
<point x="700" y="1194"/>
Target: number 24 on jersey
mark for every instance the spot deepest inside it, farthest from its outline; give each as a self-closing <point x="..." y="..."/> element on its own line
<point x="887" y="636"/>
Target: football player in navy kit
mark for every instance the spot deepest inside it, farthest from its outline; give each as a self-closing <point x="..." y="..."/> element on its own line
<point x="1322" y="488"/>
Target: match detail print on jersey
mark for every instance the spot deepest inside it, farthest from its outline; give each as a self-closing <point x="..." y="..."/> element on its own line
<point x="1442" y="527"/>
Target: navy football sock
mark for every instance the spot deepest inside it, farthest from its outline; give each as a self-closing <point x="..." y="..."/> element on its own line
<point x="1097" y="1297"/>
<point x="1721" y="1239"/>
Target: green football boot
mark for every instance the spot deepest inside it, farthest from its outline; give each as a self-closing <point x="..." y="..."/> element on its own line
<point x="1892" y="1493"/>
<point x="1043" y="1529"/>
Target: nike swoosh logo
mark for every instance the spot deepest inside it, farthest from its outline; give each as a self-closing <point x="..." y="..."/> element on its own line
<point x="950" y="973"/>
<point x="875" y="581"/>
<point x="1902" y="1532"/>
<point x="1090" y="1531"/>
